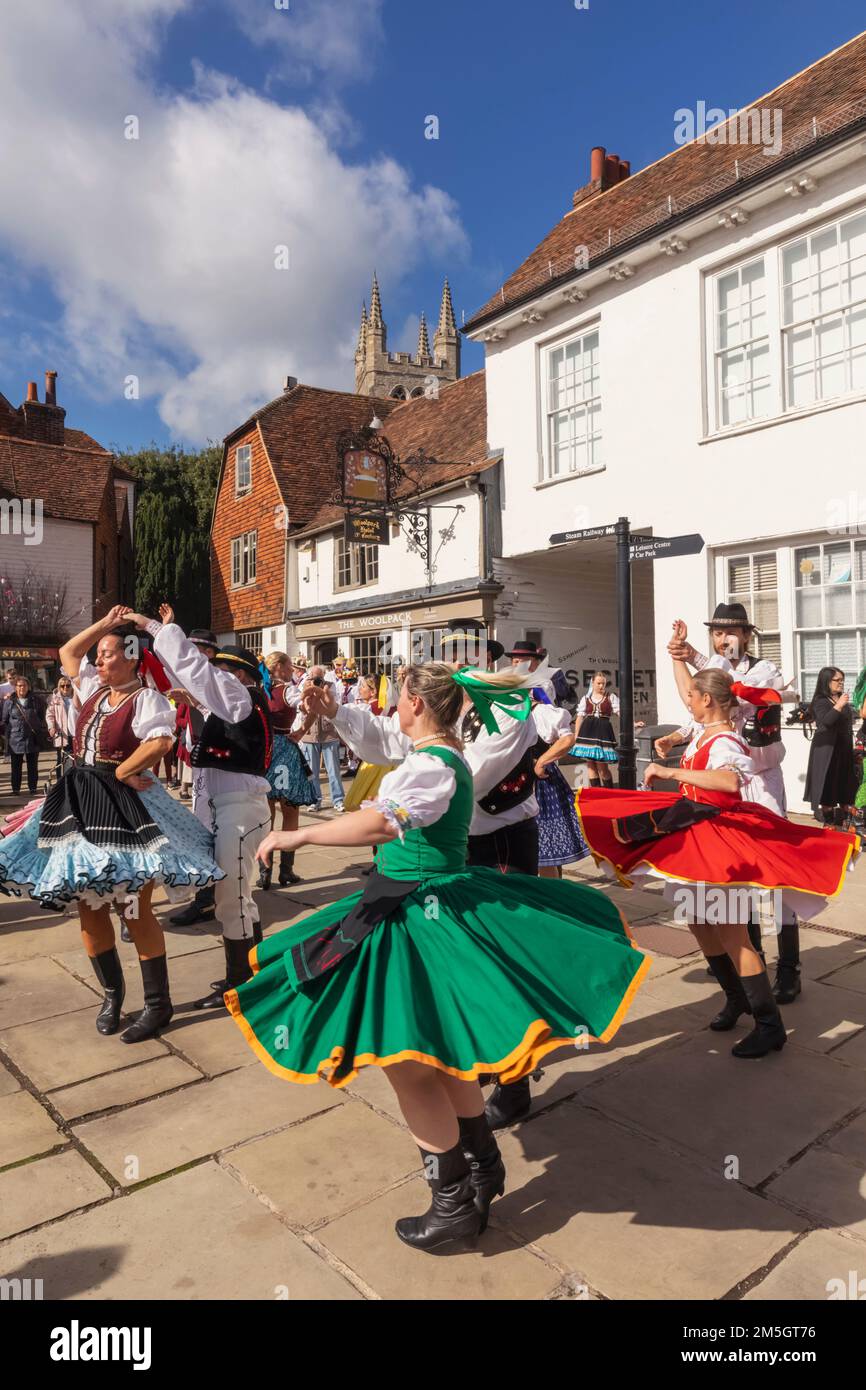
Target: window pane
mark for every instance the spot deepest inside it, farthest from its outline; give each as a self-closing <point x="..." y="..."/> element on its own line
<point x="809" y="608"/>
<point x="837" y="564"/>
<point x="765" y="610"/>
<point x="739" y="575"/>
<point x="856" y="325"/>
<point x="795" y="277"/>
<point x="829" y="349"/>
<point x="800" y="373"/>
<point x="813" y="652"/>
<point x="764" y="572"/>
<point x="843" y="653"/>
<point x="770" y="649"/>
<point x="808" y="565"/>
<point x="838" y="605"/>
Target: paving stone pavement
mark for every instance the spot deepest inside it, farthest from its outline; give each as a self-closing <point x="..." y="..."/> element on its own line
<point x="655" y="1166"/>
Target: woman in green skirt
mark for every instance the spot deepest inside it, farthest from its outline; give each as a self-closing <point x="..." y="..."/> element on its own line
<point x="436" y="972"/>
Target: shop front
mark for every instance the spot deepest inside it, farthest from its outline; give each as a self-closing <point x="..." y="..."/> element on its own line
<point x="382" y="638"/>
<point x="40" y="664"/>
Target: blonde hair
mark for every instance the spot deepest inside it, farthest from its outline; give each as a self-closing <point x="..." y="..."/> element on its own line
<point x="717" y="684"/>
<point x="433" y="682"/>
<point x="274" y="659"/>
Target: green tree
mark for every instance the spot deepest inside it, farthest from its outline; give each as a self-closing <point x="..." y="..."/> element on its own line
<point x="175" y="497"/>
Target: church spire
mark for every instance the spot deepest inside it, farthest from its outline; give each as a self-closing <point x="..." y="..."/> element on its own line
<point x="447" y="322"/>
<point x="423" y="340"/>
<point x="375" y="304"/>
<point x="362" y="335"/>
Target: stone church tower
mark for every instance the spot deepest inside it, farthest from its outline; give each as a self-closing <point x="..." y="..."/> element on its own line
<point x="379" y="372"/>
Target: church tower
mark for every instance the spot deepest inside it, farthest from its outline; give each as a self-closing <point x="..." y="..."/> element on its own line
<point x="379" y="372"/>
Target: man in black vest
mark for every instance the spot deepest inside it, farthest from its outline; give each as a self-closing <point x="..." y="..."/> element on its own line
<point x="230" y="791"/>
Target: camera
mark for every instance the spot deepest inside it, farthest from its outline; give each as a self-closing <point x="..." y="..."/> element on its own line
<point x="317" y="680"/>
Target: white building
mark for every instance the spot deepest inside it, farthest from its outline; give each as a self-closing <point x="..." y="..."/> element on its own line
<point x="687" y="347"/>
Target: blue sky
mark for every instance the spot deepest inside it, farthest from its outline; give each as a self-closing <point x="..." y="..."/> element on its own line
<point x="154" y="258"/>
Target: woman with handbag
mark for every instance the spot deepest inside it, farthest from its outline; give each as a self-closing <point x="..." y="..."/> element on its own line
<point x="59" y="719"/>
<point x="831" y="781"/>
<point x="23" y="720"/>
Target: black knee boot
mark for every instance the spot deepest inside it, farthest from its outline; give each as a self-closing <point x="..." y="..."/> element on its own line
<point x="109" y="973"/>
<point x="508" y="1103"/>
<point x="238" y="971"/>
<point x="222" y="985"/>
<point x="768" y="1034"/>
<point x="287" y="869"/>
<point x="786" y="985"/>
<point x="722" y="967"/>
<point x="755" y="938"/>
<point x="486" y="1169"/>
<point x="453" y="1215"/>
<point x="157" y="1010"/>
<point x="266" y="873"/>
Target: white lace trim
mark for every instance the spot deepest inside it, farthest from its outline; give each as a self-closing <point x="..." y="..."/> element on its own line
<point x="396" y="815"/>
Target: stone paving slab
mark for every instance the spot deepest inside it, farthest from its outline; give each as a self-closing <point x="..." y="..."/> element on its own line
<point x="8" y="1083"/>
<point x="822" y="953"/>
<point x="68" y="1049"/>
<point x="851" y="976"/>
<point x="807" y="1270"/>
<point x="372" y="1086"/>
<point x="210" y="1041"/>
<point x="853" y="1053"/>
<point x="365" y="1240"/>
<point x="26" y="1128"/>
<point x="829" y="1187"/>
<point x="629" y="1216"/>
<point x="166" y="1133"/>
<point x="125" y="1087"/>
<point x="850" y="1140"/>
<point x="198" y="1235"/>
<point x="35" y="989"/>
<point x="25" y="934"/>
<point x="824" y="1015"/>
<point x="45" y="1189"/>
<point x="697" y="1098"/>
<point x="320" y="1170"/>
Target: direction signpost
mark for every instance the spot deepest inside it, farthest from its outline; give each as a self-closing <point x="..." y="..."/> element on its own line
<point x="629" y="548"/>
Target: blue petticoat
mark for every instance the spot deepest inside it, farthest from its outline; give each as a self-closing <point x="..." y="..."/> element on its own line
<point x="75" y="868"/>
<point x="559" y="837"/>
<point x="287" y="775"/>
<point x="594" y="753"/>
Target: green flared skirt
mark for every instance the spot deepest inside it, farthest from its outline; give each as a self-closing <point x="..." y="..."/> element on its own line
<point x="474" y="972"/>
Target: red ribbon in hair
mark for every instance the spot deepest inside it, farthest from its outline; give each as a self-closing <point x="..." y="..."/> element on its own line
<point x="756" y="695"/>
<point x="150" y="666"/>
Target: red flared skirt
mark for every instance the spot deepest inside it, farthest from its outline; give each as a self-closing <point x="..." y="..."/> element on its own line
<point x="746" y="845"/>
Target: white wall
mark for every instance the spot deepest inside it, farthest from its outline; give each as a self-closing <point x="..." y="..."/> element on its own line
<point x="65" y="553"/>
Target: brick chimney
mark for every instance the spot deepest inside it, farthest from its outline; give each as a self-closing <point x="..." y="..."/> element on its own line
<point x="44" y="421"/>
<point x="605" y="171"/>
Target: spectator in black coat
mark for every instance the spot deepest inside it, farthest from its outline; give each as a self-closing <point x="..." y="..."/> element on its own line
<point x="24" y="722"/>
<point x="831" y="780"/>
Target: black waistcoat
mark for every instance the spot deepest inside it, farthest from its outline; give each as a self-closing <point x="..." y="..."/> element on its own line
<point x="243" y="747"/>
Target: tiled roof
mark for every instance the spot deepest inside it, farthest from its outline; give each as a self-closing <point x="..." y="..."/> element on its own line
<point x="818" y="106"/>
<point x="300" y="432"/>
<point x="70" y="482"/>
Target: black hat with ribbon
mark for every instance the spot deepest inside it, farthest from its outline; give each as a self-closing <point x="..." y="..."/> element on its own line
<point x="238" y="658"/>
<point x="528" y="650"/>
<point x="731" y="615"/>
<point x="203" y="637"/>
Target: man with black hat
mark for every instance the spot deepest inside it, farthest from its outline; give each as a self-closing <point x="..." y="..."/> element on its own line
<point x="230" y="791"/>
<point x="731" y="633"/>
<point x="201" y="909"/>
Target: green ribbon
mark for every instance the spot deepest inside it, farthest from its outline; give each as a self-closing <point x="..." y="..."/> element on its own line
<point x="516" y="703"/>
<point x="859" y="692"/>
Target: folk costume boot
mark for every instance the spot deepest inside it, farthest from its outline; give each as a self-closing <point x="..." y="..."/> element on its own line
<point x="157" y="1010"/>
<point x="768" y="1034"/>
<point x="486" y="1169"/>
<point x="238" y="971"/>
<point x="223" y="985"/>
<point x="266" y="872"/>
<point x="736" y="1002"/>
<point x="109" y="973"/>
<point x="287" y="869"/>
<point x="453" y="1215"/>
<point x="755" y="939"/>
<point x="201" y="909"/>
<point x="786" y="985"/>
<point x="508" y="1104"/>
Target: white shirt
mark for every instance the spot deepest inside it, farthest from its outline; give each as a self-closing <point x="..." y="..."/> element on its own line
<point x="215" y="692"/>
<point x="153" y="716"/>
<point x="379" y="739"/>
<point x="727" y="751"/>
<point x="767" y="787"/>
<point x="552" y="722"/>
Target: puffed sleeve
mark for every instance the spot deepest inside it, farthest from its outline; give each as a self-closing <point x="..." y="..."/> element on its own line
<point x="373" y="737"/>
<point x="551" y="722"/>
<point x="154" y="716"/>
<point x="729" y="754"/>
<point x="88" y="680"/>
<point x="416" y="793"/>
<point x="614" y="702"/>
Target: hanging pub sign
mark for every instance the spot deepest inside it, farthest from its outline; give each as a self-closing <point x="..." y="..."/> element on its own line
<point x="367" y="528"/>
<point x="367" y="472"/>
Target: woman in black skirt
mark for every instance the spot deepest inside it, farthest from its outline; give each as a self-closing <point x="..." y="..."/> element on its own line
<point x="831" y="780"/>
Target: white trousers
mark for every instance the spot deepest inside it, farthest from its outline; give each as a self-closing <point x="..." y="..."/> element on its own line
<point x="240" y="823"/>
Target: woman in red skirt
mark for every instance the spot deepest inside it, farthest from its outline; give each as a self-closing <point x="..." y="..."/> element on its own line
<point x="718" y="853"/>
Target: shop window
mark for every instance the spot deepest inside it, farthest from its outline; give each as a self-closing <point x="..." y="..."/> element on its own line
<point x="252" y="640"/>
<point x="355" y="565"/>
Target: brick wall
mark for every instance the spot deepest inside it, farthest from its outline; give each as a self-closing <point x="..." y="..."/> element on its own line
<point x="262" y="603"/>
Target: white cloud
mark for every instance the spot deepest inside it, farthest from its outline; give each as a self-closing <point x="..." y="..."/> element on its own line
<point x="337" y="37"/>
<point x="162" y="249"/>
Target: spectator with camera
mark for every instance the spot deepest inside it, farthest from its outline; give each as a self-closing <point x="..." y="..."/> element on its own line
<point x="322" y="742"/>
<point x="831" y="779"/>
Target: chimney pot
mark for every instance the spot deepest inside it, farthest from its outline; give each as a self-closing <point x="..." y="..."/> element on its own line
<point x="596" y="162"/>
<point x="50" y="388"/>
<point x="290" y="383"/>
<point x="624" y="169"/>
<point x="611" y="171"/>
<point x="32" y="393"/>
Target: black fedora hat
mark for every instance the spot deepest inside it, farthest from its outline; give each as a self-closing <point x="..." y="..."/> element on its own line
<point x="527" y="650"/>
<point x="203" y="637"/>
<point x="731" y="615"/>
<point x="238" y="658"/>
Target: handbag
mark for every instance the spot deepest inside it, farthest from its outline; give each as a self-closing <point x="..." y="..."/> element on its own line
<point x="44" y="742"/>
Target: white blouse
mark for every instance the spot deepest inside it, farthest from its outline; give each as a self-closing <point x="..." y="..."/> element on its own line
<point x="588" y="706"/>
<point x="416" y="793"/>
<point x="552" y="722"/>
<point x="726" y="751"/>
<point x="153" y="716"/>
